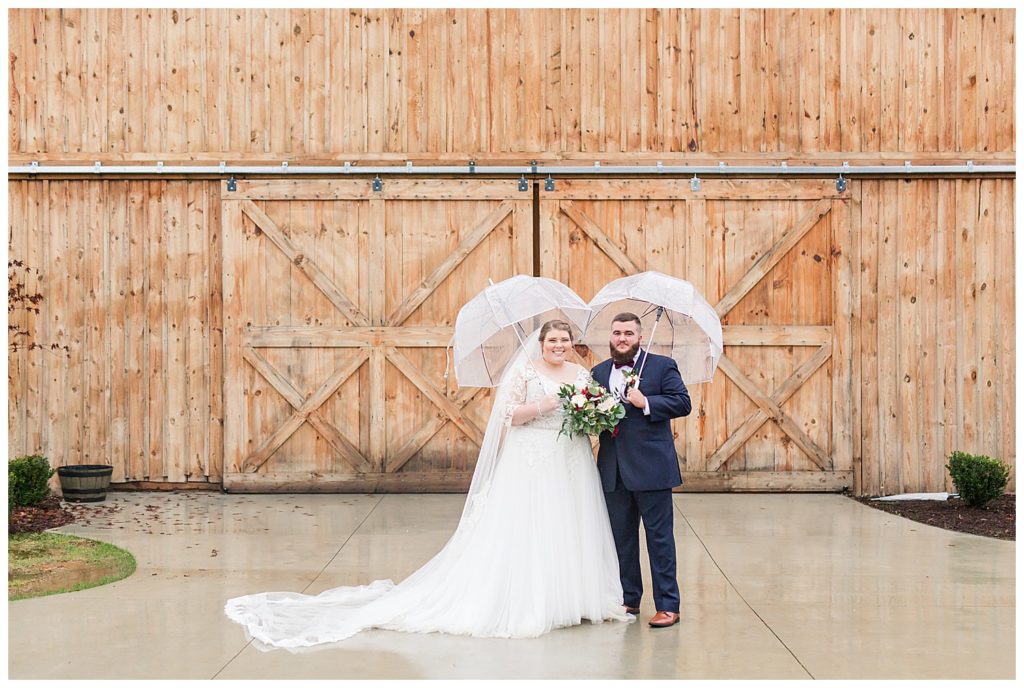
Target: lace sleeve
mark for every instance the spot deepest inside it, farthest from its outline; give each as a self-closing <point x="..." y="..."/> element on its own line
<point x="516" y="396"/>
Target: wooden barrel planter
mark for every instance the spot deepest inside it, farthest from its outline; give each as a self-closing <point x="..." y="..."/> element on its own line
<point x="87" y="483"/>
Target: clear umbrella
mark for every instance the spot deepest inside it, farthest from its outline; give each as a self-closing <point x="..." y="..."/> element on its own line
<point x="677" y="321"/>
<point x="494" y="324"/>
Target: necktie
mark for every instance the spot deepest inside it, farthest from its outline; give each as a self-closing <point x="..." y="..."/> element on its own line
<point x="628" y="364"/>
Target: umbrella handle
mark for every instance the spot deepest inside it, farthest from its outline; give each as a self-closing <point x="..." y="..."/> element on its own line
<point x="657" y="319"/>
<point x="447" y="358"/>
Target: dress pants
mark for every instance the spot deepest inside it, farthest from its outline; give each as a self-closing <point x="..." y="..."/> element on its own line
<point x="626" y="509"/>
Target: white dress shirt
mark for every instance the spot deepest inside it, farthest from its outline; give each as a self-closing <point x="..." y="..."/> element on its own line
<point x="616" y="381"/>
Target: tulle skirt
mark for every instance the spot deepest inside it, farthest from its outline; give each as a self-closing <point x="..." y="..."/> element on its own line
<point x="537" y="554"/>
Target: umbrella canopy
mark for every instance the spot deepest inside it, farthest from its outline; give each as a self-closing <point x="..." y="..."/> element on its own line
<point x="689" y="330"/>
<point x="492" y="326"/>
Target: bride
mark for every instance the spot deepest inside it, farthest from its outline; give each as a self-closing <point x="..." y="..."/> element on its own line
<point x="533" y="550"/>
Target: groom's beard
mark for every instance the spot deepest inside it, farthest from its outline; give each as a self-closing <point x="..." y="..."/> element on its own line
<point x="627" y="356"/>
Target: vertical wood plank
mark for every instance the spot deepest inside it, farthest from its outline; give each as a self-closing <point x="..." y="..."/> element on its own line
<point x="232" y="248"/>
<point x="376" y="30"/>
<point x="968" y="34"/>
<point x="571" y="74"/>
<point x="1005" y="300"/>
<point x="135" y="81"/>
<point x="551" y="124"/>
<point x="174" y="80"/>
<point x="691" y="221"/>
<point x="36" y="256"/>
<point x="590" y="106"/>
<point x="95" y="353"/>
<point x="156" y="291"/>
<point x="394" y="82"/>
<point x="891" y="83"/>
<point x="19" y="319"/>
<point x="195" y="333"/>
<point x="844" y="358"/>
<point x="1004" y="52"/>
<point x="770" y="44"/>
<point x="531" y="73"/>
<point x="890" y="355"/>
<point x="867" y="331"/>
<point x="792" y="86"/>
<point x="945" y="284"/>
<point x="137" y="330"/>
<point x="114" y="48"/>
<point x="989" y="412"/>
<point x="437" y="70"/>
<point x="214" y="327"/>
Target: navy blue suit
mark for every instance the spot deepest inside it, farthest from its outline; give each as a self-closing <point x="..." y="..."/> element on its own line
<point x="638" y="470"/>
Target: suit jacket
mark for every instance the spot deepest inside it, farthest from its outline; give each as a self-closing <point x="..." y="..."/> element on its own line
<point x="644" y="450"/>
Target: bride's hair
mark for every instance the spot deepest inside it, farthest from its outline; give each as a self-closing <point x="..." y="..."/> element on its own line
<point x="556" y="325"/>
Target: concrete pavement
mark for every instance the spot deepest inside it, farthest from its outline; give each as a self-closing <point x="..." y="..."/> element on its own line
<point x="773" y="586"/>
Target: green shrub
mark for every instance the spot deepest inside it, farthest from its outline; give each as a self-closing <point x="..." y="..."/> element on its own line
<point x="978" y="479"/>
<point x="28" y="477"/>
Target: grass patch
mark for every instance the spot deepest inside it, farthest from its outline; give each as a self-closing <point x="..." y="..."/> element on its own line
<point x="40" y="564"/>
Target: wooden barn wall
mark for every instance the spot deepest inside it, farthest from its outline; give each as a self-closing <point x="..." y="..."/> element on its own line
<point x="296" y="84"/>
<point x="933" y="329"/>
<point x="130" y="273"/>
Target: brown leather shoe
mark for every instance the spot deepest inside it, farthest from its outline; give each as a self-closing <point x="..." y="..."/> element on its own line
<point x="632" y="610"/>
<point x="664" y="620"/>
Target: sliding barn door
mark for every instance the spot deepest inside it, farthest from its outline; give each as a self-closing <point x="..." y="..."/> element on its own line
<point x="338" y="304"/>
<point x="773" y="258"/>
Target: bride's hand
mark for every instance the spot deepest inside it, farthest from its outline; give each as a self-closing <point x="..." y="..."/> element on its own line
<point x="549" y="403"/>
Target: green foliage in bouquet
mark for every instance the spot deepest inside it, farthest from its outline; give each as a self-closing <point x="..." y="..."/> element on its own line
<point x="978" y="479"/>
<point x="589" y="410"/>
<point x="27" y="480"/>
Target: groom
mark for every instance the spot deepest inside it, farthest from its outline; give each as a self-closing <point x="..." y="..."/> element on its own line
<point x="639" y="468"/>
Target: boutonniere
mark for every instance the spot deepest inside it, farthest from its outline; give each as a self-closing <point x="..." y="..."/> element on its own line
<point x="630" y="380"/>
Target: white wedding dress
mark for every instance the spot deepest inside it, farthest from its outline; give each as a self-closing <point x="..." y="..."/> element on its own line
<point x="533" y="550"/>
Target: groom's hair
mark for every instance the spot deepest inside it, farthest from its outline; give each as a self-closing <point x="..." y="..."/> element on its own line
<point x="628" y="317"/>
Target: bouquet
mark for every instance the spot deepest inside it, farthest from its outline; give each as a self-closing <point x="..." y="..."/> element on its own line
<point x="589" y="411"/>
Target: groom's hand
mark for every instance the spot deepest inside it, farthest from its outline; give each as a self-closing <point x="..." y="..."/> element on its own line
<point x="636" y="398"/>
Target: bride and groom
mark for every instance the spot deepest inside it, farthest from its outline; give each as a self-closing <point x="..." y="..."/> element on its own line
<point x="546" y="538"/>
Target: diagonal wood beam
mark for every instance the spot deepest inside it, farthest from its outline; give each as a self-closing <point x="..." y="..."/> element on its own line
<point x="406" y="367"/>
<point x="423" y="435"/>
<point x="274" y="442"/>
<point x="465" y="247"/>
<point x="763" y="265"/>
<point x="303" y="263"/>
<point x="278" y="381"/>
<point x="590" y="228"/>
<point x="746" y="429"/>
<point x="345" y="449"/>
<point x="306" y="409"/>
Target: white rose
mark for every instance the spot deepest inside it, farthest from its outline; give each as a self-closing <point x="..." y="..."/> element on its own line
<point x="578" y="400"/>
<point x="607" y="405"/>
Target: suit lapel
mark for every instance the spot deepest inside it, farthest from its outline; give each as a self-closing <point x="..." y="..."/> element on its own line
<point x="602" y="372"/>
<point x="641" y="356"/>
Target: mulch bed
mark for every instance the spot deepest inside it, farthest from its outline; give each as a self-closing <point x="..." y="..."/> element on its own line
<point x="997" y="519"/>
<point x="49" y="513"/>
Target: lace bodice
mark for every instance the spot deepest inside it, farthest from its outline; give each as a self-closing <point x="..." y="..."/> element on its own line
<point x="529" y="387"/>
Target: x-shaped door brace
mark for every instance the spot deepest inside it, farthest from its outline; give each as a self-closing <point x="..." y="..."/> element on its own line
<point x="306" y="409"/>
<point x="769" y="406"/>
